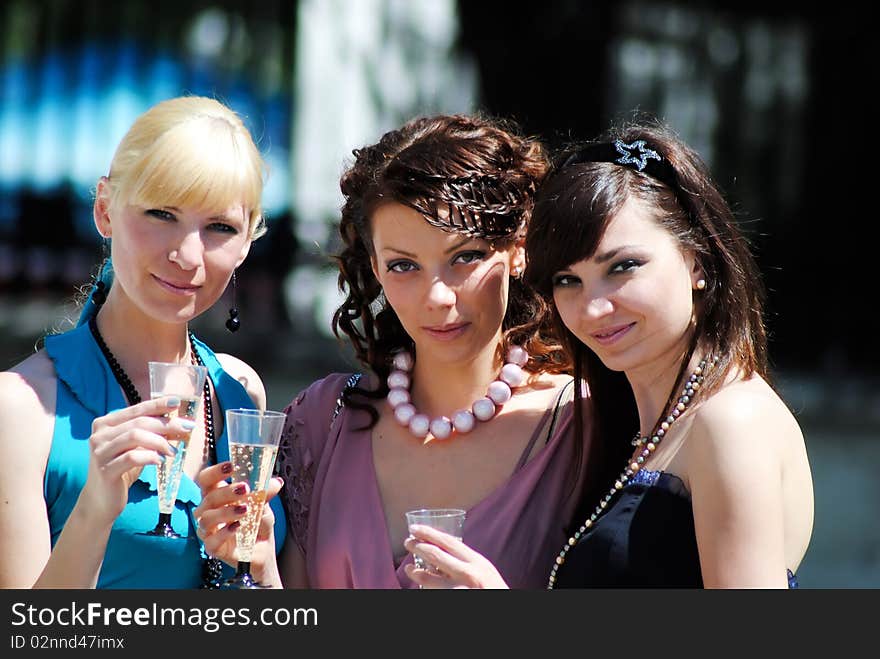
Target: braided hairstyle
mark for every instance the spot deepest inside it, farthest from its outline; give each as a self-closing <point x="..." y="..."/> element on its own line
<point x="468" y="175"/>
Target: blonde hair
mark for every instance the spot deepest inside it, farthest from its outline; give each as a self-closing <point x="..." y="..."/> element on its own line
<point x="190" y="151"/>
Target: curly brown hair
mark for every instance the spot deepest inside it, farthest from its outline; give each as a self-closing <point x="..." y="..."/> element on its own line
<point x="471" y="175"/>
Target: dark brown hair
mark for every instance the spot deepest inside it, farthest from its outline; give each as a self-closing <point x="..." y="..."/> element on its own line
<point x="572" y="211"/>
<point x="465" y="174"/>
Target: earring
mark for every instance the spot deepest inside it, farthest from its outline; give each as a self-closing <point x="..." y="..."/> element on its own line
<point x="701" y="284"/>
<point x="99" y="294"/>
<point x="517" y="272"/>
<point x="233" y="323"/>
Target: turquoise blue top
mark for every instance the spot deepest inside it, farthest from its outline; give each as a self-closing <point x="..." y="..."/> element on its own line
<point x="87" y="389"/>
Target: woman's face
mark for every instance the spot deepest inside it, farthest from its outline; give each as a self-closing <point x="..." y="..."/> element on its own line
<point x="449" y="291"/>
<point x="632" y="302"/>
<point x="174" y="263"/>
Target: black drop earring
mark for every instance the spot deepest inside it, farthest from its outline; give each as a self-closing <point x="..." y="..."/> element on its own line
<point x="233" y="323"/>
<point x="99" y="294"/>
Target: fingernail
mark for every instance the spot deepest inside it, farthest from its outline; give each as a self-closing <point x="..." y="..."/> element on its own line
<point x="173" y="401"/>
<point x="226" y="468"/>
<point x="173" y="449"/>
<point x="240" y="509"/>
<point x="187" y="424"/>
<point x="240" y="489"/>
<point x="234" y="526"/>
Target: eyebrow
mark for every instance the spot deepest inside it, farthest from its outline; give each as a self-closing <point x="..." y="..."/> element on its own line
<point x="220" y="217"/>
<point x="451" y="249"/>
<point x="610" y="254"/>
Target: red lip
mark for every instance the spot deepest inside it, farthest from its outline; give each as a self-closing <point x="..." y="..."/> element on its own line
<point x="181" y="288"/>
<point x="609" y="335"/>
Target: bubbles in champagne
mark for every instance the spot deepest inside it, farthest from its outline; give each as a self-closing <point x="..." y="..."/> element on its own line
<point x="251" y="464"/>
<point x="170" y="469"/>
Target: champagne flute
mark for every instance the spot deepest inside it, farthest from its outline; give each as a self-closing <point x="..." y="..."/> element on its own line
<point x="186" y="382"/>
<point x="253" y="445"/>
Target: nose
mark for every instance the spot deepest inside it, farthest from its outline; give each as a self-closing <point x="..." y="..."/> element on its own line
<point x="189" y="253"/>
<point x="440" y="294"/>
<point x="597" y="307"/>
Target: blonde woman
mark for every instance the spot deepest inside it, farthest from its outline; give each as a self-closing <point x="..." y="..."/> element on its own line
<point x="78" y="431"/>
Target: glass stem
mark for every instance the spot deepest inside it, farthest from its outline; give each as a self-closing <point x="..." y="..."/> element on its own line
<point x="164" y="519"/>
<point x="244" y="567"/>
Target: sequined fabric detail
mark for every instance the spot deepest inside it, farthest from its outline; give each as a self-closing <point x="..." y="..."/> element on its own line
<point x="645" y="477"/>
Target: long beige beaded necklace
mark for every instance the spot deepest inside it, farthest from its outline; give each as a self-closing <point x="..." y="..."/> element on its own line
<point x="649" y="445"/>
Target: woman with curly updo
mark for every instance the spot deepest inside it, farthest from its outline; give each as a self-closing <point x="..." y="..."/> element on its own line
<point x="465" y="401"/>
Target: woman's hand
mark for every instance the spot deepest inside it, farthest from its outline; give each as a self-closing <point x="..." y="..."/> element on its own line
<point x="453" y="563"/>
<point x="120" y="445"/>
<point x="219" y="516"/>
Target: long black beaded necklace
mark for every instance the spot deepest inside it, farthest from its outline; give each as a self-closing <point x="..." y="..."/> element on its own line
<point x="212" y="568"/>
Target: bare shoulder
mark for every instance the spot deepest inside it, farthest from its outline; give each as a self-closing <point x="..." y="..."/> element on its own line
<point x="246" y="375"/>
<point x="543" y="389"/>
<point x="554" y="382"/>
<point x="29" y="385"/>
<point x="742" y="426"/>
<point x="749" y="409"/>
<point x="27" y="411"/>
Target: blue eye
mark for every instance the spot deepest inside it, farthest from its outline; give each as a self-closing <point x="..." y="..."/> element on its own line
<point x="627" y="265"/>
<point x="159" y="214"/>
<point x="222" y="227"/>
<point x="401" y="266"/>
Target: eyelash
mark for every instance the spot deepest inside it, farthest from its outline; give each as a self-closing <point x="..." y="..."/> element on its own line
<point x="220" y="227"/>
<point x="627" y="265"/>
<point x="619" y="268"/>
<point x="475" y="255"/>
<point x="563" y="281"/>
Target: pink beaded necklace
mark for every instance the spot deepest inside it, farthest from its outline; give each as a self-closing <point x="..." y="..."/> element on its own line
<point x="462" y="421"/>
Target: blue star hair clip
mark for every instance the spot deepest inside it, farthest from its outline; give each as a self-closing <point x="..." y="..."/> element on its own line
<point x="636" y="155"/>
<point x="638" y="161"/>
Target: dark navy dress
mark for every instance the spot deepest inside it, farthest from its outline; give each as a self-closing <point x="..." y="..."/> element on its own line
<point x="645" y="539"/>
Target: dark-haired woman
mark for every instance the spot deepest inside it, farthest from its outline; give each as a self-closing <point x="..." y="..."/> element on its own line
<point x="464" y="403"/>
<point x="661" y="304"/>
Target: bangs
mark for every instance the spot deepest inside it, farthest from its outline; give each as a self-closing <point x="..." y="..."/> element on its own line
<point x="567" y="224"/>
<point x="202" y="163"/>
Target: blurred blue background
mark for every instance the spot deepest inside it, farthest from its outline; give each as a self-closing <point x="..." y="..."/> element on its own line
<point x="770" y="94"/>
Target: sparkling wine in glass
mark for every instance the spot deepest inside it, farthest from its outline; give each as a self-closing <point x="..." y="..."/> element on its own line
<point x="186" y="382"/>
<point x="253" y="445"/>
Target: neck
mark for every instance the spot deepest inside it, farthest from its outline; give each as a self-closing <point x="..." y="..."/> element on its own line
<point x="652" y="384"/>
<point x="134" y="339"/>
<point x="443" y="387"/>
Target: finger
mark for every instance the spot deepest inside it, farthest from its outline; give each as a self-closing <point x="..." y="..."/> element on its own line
<point x="118" y="466"/>
<point x="152" y="407"/>
<point x="214" y="520"/>
<point x="275" y="485"/>
<point x="217" y="541"/>
<point x="214" y="476"/>
<point x="136" y="438"/>
<point x="171" y="427"/>
<point x="444" y="540"/>
<point x="221" y="498"/>
<point x="438" y="558"/>
<point x="428" y="579"/>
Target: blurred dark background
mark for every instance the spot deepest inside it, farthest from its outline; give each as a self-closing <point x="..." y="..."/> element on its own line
<point x="773" y="95"/>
